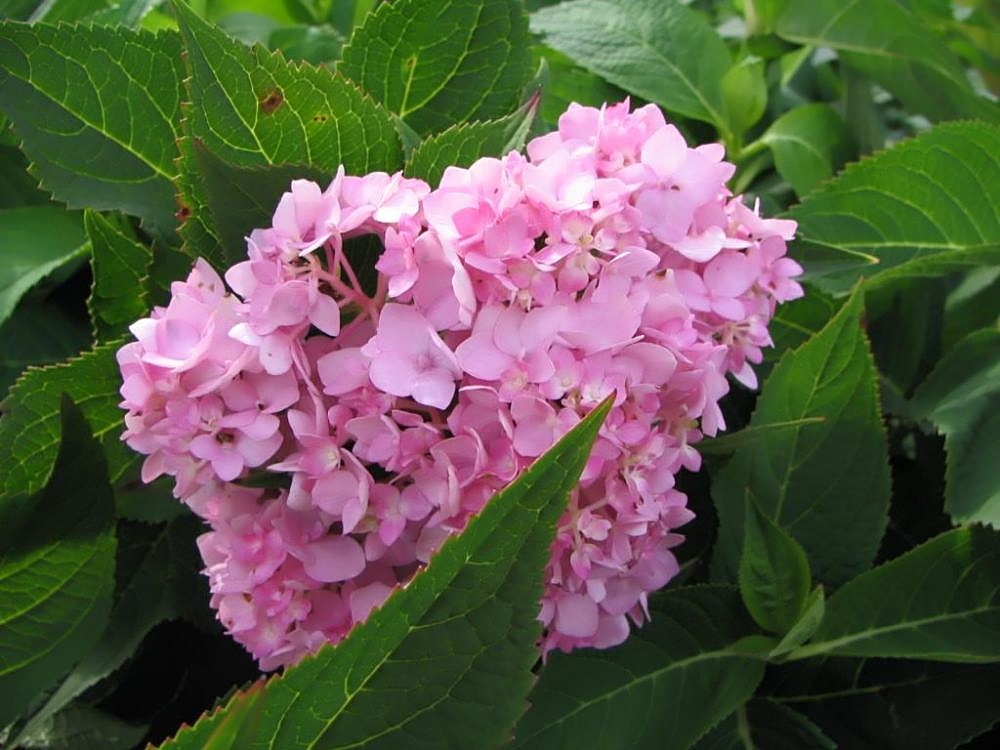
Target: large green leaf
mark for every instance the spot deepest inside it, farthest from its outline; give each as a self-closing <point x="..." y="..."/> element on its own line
<point x="98" y="110"/>
<point x="883" y="40"/>
<point x="254" y="108"/>
<point x="826" y="483"/>
<point x="940" y="601"/>
<point x="34" y="242"/>
<point x="658" y="49"/>
<point x="663" y="688"/>
<point x="57" y="556"/>
<point x="120" y="265"/>
<point x="764" y="725"/>
<point x="461" y="145"/>
<point x="80" y="726"/>
<point x="925" y="207"/>
<point x="30" y="424"/>
<point x="423" y="671"/>
<point x="962" y="398"/>
<point x="438" y="63"/>
<point x="810" y="143"/>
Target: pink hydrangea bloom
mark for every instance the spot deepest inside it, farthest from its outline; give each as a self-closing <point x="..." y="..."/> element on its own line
<point x="612" y="260"/>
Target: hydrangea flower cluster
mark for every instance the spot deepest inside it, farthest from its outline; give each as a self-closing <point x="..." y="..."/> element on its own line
<point x="509" y="301"/>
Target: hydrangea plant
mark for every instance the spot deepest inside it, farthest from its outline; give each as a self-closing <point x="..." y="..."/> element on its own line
<point x="498" y="374"/>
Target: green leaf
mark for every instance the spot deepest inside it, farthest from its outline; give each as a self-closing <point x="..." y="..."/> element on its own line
<point x="83" y="727"/>
<point x="924" y="207"/>
<point x="442" y="63"/>
<point x="36" y="240"/>
<point x="98" y="110"/>
<point x="940" y="601"/>
<point x="17" y="187"/>
<point x="893" y="704"/>
<point x="796" y="321"/>
<point x="809" y="143"/>
<point x="30" y="423"/>
<point x="826" y="483"/>
<point x="311" y="44"/>
<point x="235" y="200"/>
<point x="563" y="82"/>
<point x="423" y="670"/>
<point x="744" y="93"/>
<point x="254" y="108"/>
<point x="774" y="573"/>
<point x="768" y="726"/>
<point x="461" y="145"/>
<point x="883" y="40"/>
<point x="69" y="11"/>
<point x="961" y="397"/>
<point x="663" y="688"/>
<point x="120" y="265"/>
<point x="157" y="566"/>
<point x="38" y="334"/>
<point x="662" y="51"/>
<point x="57" y="569"/>
<point x="813" y="611"/>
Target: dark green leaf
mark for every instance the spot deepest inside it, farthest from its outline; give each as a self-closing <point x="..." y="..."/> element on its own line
<point x="98" y="109"/>
<point x="17" y="187"/>
<point x="764" y="725"/>
<point x="57" y="556"/>
<point x="883" y="40"/>
<point x="810" y="143"/>
<point x="443" y="63"/>
<point x="83" y="727"/>
<point x="157" y="573"/>
<point x="894" y="704"/>
<point x="423" y="671"/>
<point x="925" y="207"/>
<point x="774" y="573"/>
<point x="38" y="334"/>
<point x="120" y="264"/>
<point x="962" y="398"/>
<point x="826" y="483"/>
<point x="35" y="241"/>
<point x="563" y="82"/>
<point x="238" y="199"/>
<point x="939" y="601"/>
<point x="29" y="426"/>
<point x="662" y="51"/>
<point x="663" y="688"/>
<point x="796" y="321"/>
<point x="461" y="145"/>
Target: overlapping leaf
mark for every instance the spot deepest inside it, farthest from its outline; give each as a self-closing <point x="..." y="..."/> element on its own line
<point x="926" y="207"/>
<point x="664" y="687"/>
<point x="826" y="482"/>
<point x="35" y="241"/>
<point x="461" y="145"/>
<point x="30" y="426"/>
<point x="886" y="42"/>
<point x="962" y="398"/>
<point x="423" y="671"/>
<point x="98" y="111"/>
<point x="809" y="144"/>
<point x="120" y="264"/>
<point x="768" y="726"/>
<point x="253" y="109"/>
<point x="436" y="64"/>
<point x="644" y="46"/>
<point x="57" y="557"/>
<point x="939" y="601"/>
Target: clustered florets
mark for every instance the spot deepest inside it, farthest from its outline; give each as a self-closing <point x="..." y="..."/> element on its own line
<point x="509" y="301"/>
